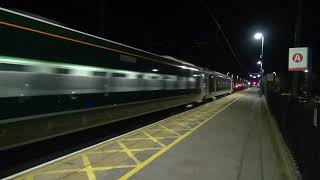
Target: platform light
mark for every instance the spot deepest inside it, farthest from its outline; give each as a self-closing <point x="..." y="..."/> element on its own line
<point x="275" y="73"/>
<point x="258" y="35"/>
<point x="306" y="71"/>
<point x="250" y="75"/>
<point x="155" y="70"/>
<point x="259" y="75"/>
<point x="259" y="62"/>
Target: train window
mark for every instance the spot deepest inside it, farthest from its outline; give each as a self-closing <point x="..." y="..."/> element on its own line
<point x="12" y="67"/>
<point x="166" y="77"/>
<point x="154" y="77"/>
<point x="140" y="76"/>
<point x="120" y="75"/>
<point x="96" y="73"/>
<point x="62" y="71"/>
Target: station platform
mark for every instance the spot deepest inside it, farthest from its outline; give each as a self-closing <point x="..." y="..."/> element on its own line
<point x="225" y="139"/>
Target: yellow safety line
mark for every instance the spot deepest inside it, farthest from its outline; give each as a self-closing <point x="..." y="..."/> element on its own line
<point x="170" y="130"/>
<point x="130" y="154"/>
<point x="159" y="153"/>
<point x="153" y="139"/>
<point x="113" y="167"/>
<point x="88" y="167"/>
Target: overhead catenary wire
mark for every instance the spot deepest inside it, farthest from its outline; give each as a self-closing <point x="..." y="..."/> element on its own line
<point x="209" y="11"/>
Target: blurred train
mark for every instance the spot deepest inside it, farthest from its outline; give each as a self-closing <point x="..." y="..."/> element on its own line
<point x="49" y="71"/>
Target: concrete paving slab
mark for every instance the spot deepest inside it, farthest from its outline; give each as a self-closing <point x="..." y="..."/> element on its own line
<point x="234" y="145"/>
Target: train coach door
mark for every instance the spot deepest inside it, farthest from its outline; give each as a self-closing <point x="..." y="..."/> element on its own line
<point x="204" y="86"/>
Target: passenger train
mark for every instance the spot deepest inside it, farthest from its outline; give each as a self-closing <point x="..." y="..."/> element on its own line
<point x="56" y="80"/>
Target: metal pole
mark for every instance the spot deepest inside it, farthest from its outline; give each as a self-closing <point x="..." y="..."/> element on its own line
<point x="297" y="42"/>
<point x="262" y="42"/>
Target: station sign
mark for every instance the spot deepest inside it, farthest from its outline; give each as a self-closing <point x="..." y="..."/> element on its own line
<point x="298" y="59"/>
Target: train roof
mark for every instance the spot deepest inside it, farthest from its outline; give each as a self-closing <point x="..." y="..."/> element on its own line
<point x="45" y="20"/>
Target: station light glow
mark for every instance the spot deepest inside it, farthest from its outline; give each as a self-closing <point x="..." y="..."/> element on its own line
<point x="155" y="70"/>
<point x="258" y="35"/>
<point x="190" y="68"/>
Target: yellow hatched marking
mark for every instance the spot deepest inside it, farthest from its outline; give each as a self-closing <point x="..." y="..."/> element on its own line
<point x="170" y="130"/>
<point x="153" y="139"/>
<point x="182" y="124"/>
<point x="113" y="167"/>
<point x="154" y="130"/>
<point x="175" y="129"/>
<point x="130" y="154"/>
<point x="115" y="151"/>
<point x="134" y="139"/>
<point x="159" y="153"/>
<point x="60" y="171"/>
<point x="88" y="167"/>
<point x="158" y="138"/>
<point x="197" y="116"/>
<point x="29" y="177"/>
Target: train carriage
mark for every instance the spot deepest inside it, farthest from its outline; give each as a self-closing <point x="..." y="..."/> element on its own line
<point x="52" y="78"/>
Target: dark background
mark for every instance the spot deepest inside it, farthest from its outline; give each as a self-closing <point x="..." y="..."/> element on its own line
<point x="185" y="30"/>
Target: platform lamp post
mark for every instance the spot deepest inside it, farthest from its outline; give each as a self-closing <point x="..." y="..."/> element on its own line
<point x="259" y="36"/>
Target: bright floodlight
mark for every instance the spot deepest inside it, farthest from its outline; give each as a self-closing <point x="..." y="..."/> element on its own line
<point x="259" y="62"/>
<point x="258" y="35"/>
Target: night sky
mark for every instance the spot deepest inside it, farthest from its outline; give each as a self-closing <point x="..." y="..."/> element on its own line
<point x="185" y="30"/>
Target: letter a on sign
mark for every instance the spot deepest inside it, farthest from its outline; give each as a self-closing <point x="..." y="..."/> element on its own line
<point x="298" y="59"/>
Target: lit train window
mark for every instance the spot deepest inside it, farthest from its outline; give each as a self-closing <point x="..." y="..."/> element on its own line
<point x="96" y="73"/>
<point x="62" y="71"/>
<point x="12" y="67"/>
<point x="120" y="75"/>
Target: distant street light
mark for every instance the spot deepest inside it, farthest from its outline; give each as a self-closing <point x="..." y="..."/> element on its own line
<point x="260" y="36"/>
